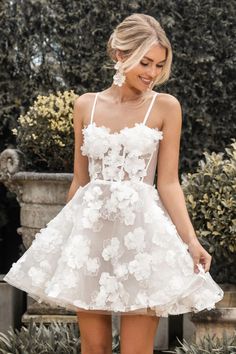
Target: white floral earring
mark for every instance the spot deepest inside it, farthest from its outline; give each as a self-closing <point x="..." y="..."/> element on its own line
<point x="119" y="77"/>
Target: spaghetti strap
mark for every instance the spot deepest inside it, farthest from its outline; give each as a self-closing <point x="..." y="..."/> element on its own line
<point x="149" y="108"/>
<point x="93" y="109"/>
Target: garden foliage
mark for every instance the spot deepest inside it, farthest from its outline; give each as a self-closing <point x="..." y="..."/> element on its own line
<point x="211" y="202"/>
<point x="56" y="338"/>
<point x="49" y="46"/>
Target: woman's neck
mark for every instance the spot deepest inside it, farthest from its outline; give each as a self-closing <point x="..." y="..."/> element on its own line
<point x="127" y="94"/>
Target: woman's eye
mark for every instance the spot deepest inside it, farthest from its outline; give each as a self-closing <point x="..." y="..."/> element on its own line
<point x="144" y="64"/>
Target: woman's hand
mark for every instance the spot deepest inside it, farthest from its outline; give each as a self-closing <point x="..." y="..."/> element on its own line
<point x="199" y="255"/>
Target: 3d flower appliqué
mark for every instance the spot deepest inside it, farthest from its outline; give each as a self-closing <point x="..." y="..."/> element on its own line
<point x="134" y="240"/>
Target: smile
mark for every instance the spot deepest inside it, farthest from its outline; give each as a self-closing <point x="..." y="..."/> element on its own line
<point x="145" y="81"/>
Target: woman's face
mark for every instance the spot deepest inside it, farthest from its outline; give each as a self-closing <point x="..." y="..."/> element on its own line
<point x="142" y="76"/>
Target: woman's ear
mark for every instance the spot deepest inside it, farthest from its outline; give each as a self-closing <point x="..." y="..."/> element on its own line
<point x="119" y="55"/>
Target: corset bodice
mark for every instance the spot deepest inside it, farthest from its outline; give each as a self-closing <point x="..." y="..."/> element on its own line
<point x="130" y="154"/>
<point x="125" y="155"/>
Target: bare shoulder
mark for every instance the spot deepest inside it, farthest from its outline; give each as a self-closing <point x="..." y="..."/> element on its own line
<point x="169" y="108"/>
<point x="167" y="101"/>
<point x="84" y="99"/>
<point x="83" y="105"/>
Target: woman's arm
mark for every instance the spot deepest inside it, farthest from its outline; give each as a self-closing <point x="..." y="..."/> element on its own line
<point x="81" y="175"/>
<point x="168" y="184"/>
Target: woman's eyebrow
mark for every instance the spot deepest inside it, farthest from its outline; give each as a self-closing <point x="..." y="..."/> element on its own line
<point x="163" y="61"/>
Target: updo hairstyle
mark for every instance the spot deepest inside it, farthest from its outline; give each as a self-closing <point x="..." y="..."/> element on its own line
<point x="133" y="37"/>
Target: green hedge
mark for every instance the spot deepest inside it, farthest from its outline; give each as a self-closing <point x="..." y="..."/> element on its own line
<point x="48" y="46"/>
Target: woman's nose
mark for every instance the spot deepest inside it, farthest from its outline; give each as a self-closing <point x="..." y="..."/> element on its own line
<point x="153" y="71"/>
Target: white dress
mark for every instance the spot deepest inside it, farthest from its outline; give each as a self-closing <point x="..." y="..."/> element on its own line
<point x="113" y="247"/>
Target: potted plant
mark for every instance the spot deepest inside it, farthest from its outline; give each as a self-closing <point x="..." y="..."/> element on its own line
<point x="44" y="139"/>
<point x="39" y="171"/>
<point x="211" y="202"/>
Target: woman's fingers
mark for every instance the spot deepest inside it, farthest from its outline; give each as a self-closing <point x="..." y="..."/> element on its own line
<point x="206" y="262"/>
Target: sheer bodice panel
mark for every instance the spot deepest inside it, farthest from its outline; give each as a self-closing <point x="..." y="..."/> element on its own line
<point x="130" y="154"/>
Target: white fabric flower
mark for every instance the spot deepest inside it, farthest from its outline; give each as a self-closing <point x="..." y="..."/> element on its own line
<point x="96" y="141"/>
<point x="160" y="240"/>
<point x="47" y="238"/>
<point x="76" y="251"/>
<point x="37" y="275"/>
<point x="121" y="270"/>
<point x="135" y="166"/>
<point x="147" y="139"/>
<point x="135" y="240"/>
<point x="141" y="266"/>
<point x="111" y="248"/>
<point x="154" y="215"/>
<point x="122" y="203"/>
<point x="93" y="264"/>
<point x="93" y="202"/>
<point x="108" y="282"/>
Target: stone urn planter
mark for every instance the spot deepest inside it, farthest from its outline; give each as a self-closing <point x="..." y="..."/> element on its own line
<point x="219" y="320"/>
<point x="41" y="196"/>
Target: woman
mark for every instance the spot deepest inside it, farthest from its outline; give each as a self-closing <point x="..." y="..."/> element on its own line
<point x="120" y="245"/>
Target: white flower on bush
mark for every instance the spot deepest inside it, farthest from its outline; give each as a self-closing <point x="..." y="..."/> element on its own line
<point x="140" y="267"/>
<point x="111" y="248"/>
<point x="76" y="251"/>
<point x="134" y="240"/>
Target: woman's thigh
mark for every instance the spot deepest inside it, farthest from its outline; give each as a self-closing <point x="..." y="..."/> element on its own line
<point x="95" y="332"/>
<point x="137" y="333"/>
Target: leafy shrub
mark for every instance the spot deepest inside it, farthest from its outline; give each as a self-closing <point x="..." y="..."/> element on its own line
<point x="56" y="338"/>
<point x="208" y="345"/>
<point x="45" y="133"/>
<point x="61" y="45"/>
<point x="211" y="202"/>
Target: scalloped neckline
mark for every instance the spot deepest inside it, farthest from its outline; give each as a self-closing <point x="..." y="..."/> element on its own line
<point x="120" y="132"/>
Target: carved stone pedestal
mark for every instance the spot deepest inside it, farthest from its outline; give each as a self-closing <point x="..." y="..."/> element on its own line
<point x="40" y="195"/>
<point x="219" y="320"/>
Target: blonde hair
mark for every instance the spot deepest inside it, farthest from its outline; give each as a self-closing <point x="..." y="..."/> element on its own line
<point x="133" y="37"/>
